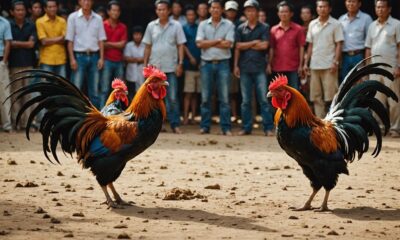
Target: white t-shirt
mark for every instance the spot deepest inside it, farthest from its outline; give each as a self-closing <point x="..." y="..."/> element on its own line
<point x="134" y="70"/>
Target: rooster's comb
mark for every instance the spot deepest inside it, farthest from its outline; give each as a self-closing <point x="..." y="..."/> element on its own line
<point x="119" y="84"/>
<point x="278" y="81"/>
<point x="151" y="71"/>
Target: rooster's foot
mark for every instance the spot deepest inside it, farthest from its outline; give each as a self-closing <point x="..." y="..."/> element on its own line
<point x="304" y="208"/>
<point x="124" y="203"/>
<point x="323" y="209"/>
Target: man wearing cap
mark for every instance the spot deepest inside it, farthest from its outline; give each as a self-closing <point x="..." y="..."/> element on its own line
<point x="215" y="37"/>
<point x="251" y="45"/>
<point x="164" y="39"/>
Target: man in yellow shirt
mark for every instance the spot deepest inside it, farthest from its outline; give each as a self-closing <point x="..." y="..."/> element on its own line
<point x="51" y="30"/>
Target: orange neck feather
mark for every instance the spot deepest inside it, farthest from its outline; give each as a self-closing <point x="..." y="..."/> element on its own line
<point x="143" y="103"/>
<point x="298" y="111"/>
<point x="111" y="98"/>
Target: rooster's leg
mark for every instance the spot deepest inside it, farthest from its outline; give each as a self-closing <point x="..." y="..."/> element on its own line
<point x="324" y="206"/>
<point x="110" y="203"/>
<point x="118" y="199"/>
<point x="307" y="205"/>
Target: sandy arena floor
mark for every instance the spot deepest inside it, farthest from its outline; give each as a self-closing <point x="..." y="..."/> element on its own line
<point x="258" y="184"/>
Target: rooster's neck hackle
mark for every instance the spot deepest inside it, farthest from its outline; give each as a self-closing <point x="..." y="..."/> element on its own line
<point x="143" y="104"/>
<point x="298" y="112"/>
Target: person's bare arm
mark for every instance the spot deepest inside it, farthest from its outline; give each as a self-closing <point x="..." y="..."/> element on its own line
<point x="338" y="52"/>
<point x="207" y="43"/>
<point x="270" y="57"/>
<point x="300" y="70"/>
<point x="51" y="41"/>
<point x="181" y="55"/>
<point x="147" y="51"/>
<point x="117" y="45"/>
<point x="72" y="59"/>
<point x="397" y="67"/>
<point x="307" y="58"/>
<point x="192" y="59"/>
<point x="100" y="63"/>
<point x="224" y="44"/>
<point x="236" y="69"/>
<point x="246" y="45"/>
<point x="23" y="44"/>
<point x="133" y="59"/>
<point x="262" y="45"/>
<point x="6" y="54"/>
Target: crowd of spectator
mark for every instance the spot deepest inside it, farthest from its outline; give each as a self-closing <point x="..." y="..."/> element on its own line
<point x="217" y="55"/>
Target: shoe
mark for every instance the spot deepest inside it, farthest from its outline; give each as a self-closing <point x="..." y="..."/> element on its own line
<point x="269" y="133"/>
<point x="243" y="133"/>
<point x="177" y="130"/>
<point x="204" y="131"/>
<point x="395" y="134"/>
<point x="9" y="130"/>
<point x="227" y="133"/>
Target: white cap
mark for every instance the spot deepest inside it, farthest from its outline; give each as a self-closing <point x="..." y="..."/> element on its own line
<point x="231" y="5"/>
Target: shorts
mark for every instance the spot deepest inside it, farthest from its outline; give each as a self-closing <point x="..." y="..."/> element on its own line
<point x="323" y="85"/>
<point x="192" y="82"/>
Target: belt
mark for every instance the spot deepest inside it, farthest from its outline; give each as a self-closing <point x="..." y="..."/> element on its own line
<point x="86" y="52"/>
<point x="353" y="53"/>
<point x="215" y="61"/>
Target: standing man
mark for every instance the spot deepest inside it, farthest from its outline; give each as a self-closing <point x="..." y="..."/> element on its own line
<point x="51" y="30"/>
<point x="250" y="63"/>
<point x="287" y="46"/>
<point x="191" y="66"/>
<point x="85" y="35"/>
<point x="325" y="36"/>
<point x="164" y="39"/>
<point x="22" y="56"/>
<point x="117" y="36"/>
<point x="355" y="26"/>
<point x="383" y="39"/>
<point x="215" y="37"/>
<point x="5" y="45"/>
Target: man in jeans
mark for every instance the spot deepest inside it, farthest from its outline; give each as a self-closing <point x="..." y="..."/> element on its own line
<point x="5" y="44"/>
<point x="85" y="35"/>
<point x="164" y="39"/>
<point x="287" y="46"/>
<point x="22" y="55"/>
<point x="355" y="25"/>
<point x="251" y="46"/>
<point x="51" y="31"/>
<point x="215" y="37"/>
<point x="117" y="36"/>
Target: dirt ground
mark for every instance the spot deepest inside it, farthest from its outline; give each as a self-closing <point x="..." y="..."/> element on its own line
<point x="258" y="183"/>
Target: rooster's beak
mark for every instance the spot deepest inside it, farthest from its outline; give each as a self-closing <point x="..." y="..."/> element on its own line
<point x="269" y="94"/>
<point x="165" y="83"/>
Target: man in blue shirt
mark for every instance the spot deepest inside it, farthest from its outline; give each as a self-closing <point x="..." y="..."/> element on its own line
<point x="191" y="66"/>
<point x="355" y="25"/>
<point x="250" y="64"/>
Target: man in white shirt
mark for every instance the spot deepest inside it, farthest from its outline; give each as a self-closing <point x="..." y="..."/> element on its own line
<point x="133" y="56"/>
<point x="85" y="36"/>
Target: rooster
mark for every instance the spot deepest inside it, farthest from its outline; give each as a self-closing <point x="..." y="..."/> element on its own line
<point x="104" y="144"/>
<point x="118" y="101"/>
<point x="324" y="147"/>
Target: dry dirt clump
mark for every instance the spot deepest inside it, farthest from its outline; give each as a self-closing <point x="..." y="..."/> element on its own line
<point x="182" y="194"/>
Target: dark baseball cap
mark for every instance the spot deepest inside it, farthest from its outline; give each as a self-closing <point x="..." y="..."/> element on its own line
<point x="251" y="3"/>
